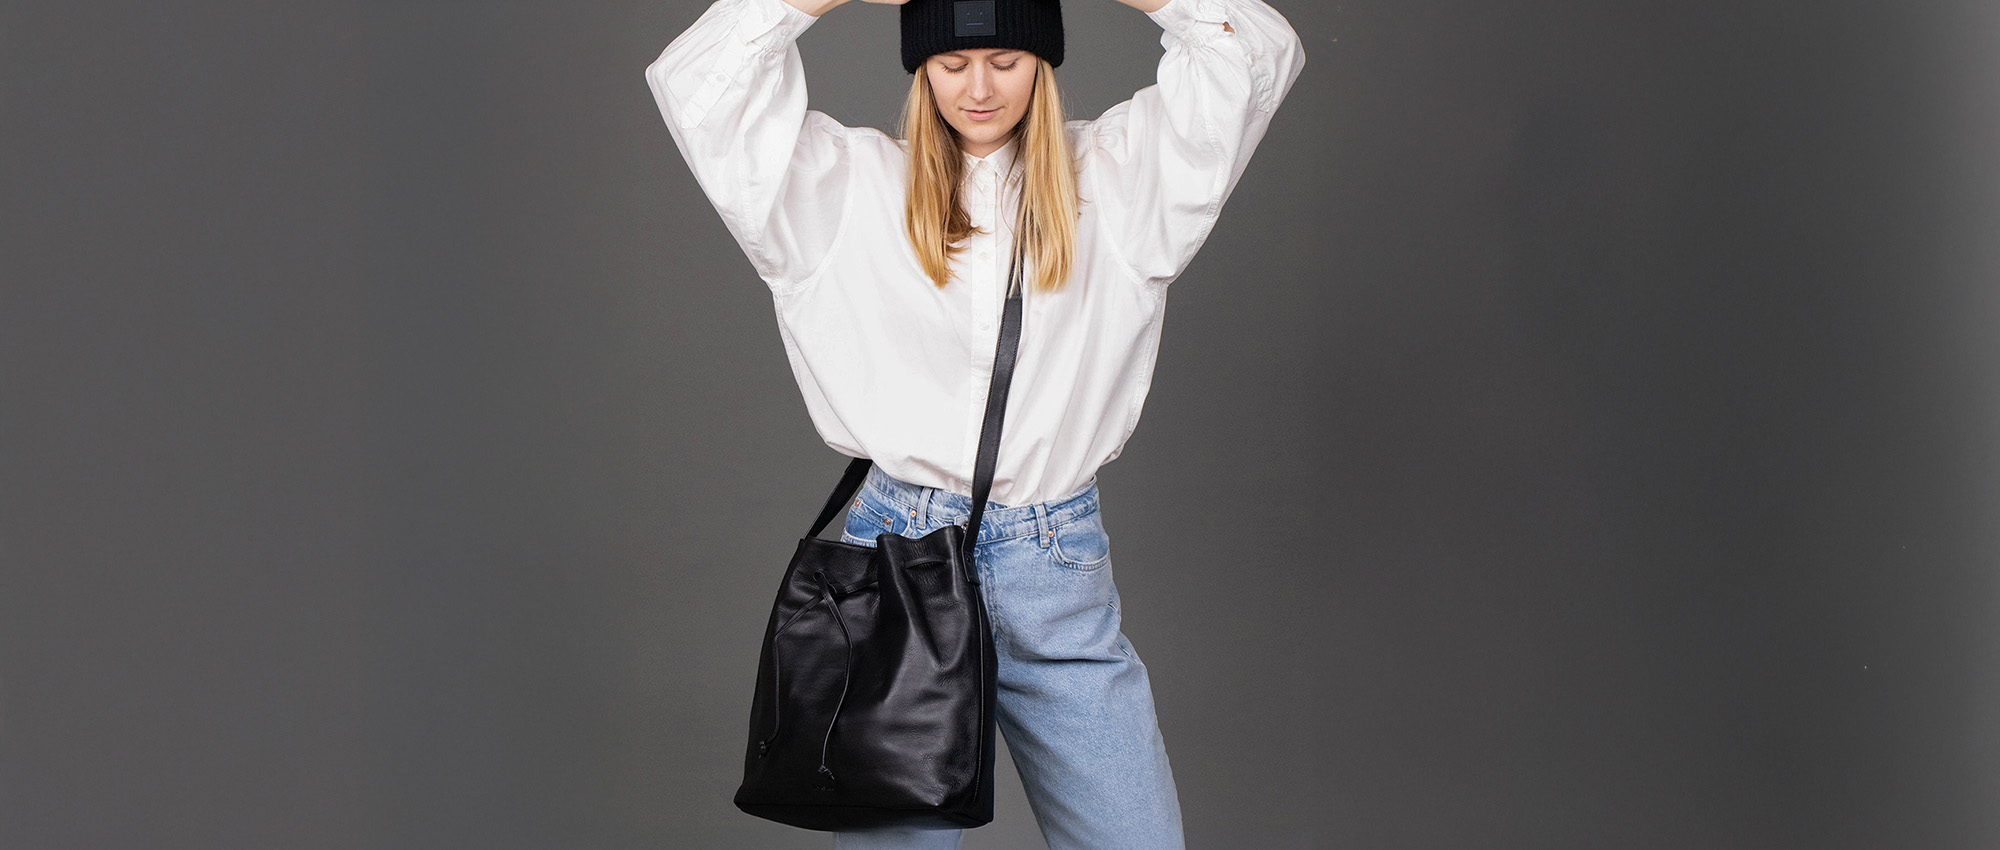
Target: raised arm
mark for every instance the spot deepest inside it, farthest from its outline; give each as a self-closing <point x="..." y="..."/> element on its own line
<point x="1161" y="165"/>
<point x="733" y="92"/>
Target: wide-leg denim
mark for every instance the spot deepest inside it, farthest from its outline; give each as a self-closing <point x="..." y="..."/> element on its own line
<point x="1074" y="703"/>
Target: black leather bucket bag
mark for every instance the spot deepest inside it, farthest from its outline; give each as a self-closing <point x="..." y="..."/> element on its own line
<point x="875" y="689"/>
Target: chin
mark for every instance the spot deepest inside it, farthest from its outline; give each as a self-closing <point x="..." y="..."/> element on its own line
<point x="986" y="134"/>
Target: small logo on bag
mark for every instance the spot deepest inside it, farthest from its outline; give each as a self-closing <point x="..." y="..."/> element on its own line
<point x="974" y="18"/>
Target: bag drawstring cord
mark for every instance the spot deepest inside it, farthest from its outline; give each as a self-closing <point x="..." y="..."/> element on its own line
<point x="826" y="592"/>
<point x="845" y="679"/>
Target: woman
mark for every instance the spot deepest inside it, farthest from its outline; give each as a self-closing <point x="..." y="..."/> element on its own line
<point x="887" y="263"/>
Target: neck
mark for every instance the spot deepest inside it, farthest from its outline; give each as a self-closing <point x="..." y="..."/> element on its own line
<point x="984" y="149"/>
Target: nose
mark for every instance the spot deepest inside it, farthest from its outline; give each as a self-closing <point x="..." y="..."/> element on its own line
<point x="982" y="82"/>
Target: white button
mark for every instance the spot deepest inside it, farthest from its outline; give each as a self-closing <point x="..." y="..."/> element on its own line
<point x="721" y="77"/>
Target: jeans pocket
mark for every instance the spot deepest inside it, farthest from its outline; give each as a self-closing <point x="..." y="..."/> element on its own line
<point x="1081" y="544"/>
<point x="866" y="519"/>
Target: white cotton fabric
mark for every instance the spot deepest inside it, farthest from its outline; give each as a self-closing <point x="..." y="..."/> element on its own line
<point x="892" y="367"/>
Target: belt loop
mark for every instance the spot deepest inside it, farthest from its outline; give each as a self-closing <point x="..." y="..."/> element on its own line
<point x="924" y="506"/>
<point x="1043" y="532"/>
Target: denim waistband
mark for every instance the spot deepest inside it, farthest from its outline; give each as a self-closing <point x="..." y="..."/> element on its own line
<point x="935" y="506"/>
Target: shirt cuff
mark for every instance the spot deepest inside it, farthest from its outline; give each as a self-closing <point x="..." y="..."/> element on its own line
<point x="771" y="23"/>
<point x="1190" y="19"/>
<point x="761" y="28"/>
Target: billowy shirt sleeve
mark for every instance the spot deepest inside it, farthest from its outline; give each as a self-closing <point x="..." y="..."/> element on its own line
<point x="1161" y="164"/>
<point x="733" y="92"/>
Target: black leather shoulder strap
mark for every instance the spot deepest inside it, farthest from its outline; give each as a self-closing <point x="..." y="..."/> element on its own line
<point x="996" y="397"/>
<point x="850" y="483"/>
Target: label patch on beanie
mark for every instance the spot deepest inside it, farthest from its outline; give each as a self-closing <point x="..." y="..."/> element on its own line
<point x="974" y="17"/>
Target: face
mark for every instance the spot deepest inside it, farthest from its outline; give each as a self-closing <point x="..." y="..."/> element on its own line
<point x="982" y="93"/>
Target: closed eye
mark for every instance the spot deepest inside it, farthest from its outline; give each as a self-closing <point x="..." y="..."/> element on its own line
<point x="1007" y="67"/>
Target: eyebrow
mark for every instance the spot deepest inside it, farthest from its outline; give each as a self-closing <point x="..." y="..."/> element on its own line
<point x="1008" y="52"/>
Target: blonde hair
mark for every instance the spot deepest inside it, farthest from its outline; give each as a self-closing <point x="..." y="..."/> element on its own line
<point x="934" y="211"/>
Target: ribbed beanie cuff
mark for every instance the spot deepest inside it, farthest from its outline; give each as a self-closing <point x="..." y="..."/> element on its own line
<point x="931" y="27"/>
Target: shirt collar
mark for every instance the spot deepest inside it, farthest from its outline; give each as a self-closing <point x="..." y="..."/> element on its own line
<point x="1001" y="160"/>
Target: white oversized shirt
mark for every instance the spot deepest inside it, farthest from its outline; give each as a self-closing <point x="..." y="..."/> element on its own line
<point x="896" y="369"/>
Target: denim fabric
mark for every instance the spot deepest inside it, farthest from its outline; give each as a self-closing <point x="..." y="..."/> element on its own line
<point x="1074" y="703"/>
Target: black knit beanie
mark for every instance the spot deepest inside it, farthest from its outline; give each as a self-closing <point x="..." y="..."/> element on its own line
<point x="931" y="27"/>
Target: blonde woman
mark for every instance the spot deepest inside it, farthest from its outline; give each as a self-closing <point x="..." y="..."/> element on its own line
<point x="887" y="262"/>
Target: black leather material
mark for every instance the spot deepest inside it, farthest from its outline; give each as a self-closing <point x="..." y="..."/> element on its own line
<point x="875" y="689"/>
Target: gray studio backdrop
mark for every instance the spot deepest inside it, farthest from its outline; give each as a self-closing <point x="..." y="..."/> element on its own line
<point x="1579" y="432"/>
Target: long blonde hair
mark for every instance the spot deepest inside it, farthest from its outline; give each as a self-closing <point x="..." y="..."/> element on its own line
<point x="934" y="211"/>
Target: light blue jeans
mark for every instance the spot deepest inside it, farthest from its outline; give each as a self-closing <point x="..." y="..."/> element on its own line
<point x="1074" y="703"/>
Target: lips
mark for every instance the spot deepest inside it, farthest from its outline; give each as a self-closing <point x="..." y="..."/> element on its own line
<point x="981" y="116"/>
